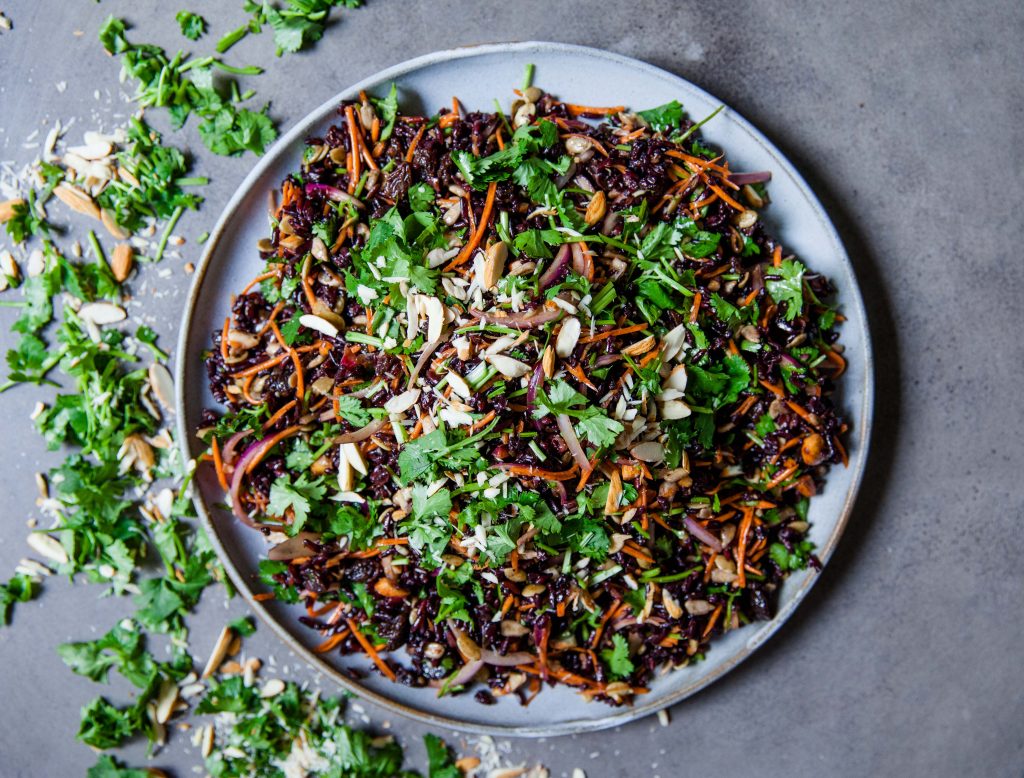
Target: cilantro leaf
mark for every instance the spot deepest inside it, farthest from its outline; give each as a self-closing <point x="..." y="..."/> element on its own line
<point x="20" y="588"/>
<point x="297" y="495"/>
<point x="617" y="658"/>
<point x="598" y="428"/>
<point x="785" y="284"/>
<point x="193" y="26"/>
<point x="664" y="117"/>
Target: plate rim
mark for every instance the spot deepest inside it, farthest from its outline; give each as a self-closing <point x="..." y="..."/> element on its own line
<point x="617" y="716"/>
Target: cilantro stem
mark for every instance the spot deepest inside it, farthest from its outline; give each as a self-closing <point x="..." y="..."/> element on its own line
<point x="97" y="249"/>
<point x="698" y="125"/>
<point x="231" y="38"/>
<point x="250" y="70"/>
<point x="528" y="76"/>
<point x="167" y="233"/>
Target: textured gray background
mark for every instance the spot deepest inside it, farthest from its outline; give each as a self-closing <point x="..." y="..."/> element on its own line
<point x="906" y="118"/>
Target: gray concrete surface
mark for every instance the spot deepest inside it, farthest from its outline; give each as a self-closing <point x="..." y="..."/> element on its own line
<point x="907" y="119"/>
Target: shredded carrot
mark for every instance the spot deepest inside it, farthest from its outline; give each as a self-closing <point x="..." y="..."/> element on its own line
<point x="580" y="376"/>
<point x="773" y="388"/>
<point x="331" y="642"/>
<point x="732" y="347"/>
<point x="280" y="412"/>
<point x="246" y="384"/>
<point x="777" y="255"/>
<point x="637" y="554"/>
<point x="261" y="277"/>
<point x="447" y="120"/>
<point x="608" y="616"/>
<point x="749" y="298"/>
<point x="272" y="362"/>
<point x="371" y="651"/>
<point x="802" y="412"/>
<point x="613" y="333"/>
<point x="695" y="308"/>
<point x="273" y="441"/>
<point x="218" y="464"/>
<point x="741" y="552"/>
<point x="529" y="471"/>
<point x="500" y="140"/>
<point x="781" y="476"/>
<point x="842" y="451"/>
<point x="482" y="422"/>
<point x="745" y="406"/>
<point x="835" y="358"/>
<point x="273" y="316"/>
<point x="224" y="338"/>
<point x="469" y="248"/>
<point x="354" y="171"/>
<point x="392" y="542"/>
<point x="712" y="621"/>
<point x="414" y="144"/>
<point x="592" y="110"/>
<point x="263" y="596"/>
<point x="586" y="473"/>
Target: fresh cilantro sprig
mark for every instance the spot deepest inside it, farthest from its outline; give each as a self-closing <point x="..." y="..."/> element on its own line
<point x="592" y="423"/>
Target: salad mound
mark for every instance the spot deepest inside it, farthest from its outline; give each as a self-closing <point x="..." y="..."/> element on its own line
<point x="524" y="398"/>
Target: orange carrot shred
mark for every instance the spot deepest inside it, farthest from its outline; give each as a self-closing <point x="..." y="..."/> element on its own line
<point x="218" y="464"/>
<point x="469" y="248"/>
<point x="414" y="144"/>
<point x="371" y="651"/>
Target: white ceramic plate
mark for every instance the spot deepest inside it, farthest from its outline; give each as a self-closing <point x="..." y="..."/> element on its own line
<point x="478" y="75"/>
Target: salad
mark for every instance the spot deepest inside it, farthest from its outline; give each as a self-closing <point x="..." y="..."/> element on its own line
<point x="525" y="398"/>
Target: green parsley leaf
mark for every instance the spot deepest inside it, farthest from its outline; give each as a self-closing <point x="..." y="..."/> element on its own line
<point x="193" y="26"/>
<point x="617" y="658"/>
<point x="786" y="285"/>
<point x="663" y="118"/>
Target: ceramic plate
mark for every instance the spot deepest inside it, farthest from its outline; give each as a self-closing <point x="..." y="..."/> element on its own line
<point x="477" y="76"/>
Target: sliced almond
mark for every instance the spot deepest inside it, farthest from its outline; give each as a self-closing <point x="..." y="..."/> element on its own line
<point x="166" y="699"/>
<point x="77" y="200"/>
<point x="346" y="474"/>
<point x="493" y="265"/>
<point x="467" y="646"/>
<point x="568" y="336"/>
<point x="386" y="588"/>
<point x="435" y="318"/>
<point x="548" y="361"/>
<point x="49" y="547"/>
<point x="319" y="324"/>
<point x="677" y="379"/>
<point x="354" y="456"/>
<point x="102" y="313"/>
<point x="673" y="342"/>
<point x="459" y="385"/>
<point x="162" y="384"/>
<point x="507" y="366"/>
<point x="675" y="409"/>
<point x="35" y="265"/>
<point x="319" y="249"/>
<point x="400" y="403"/>
<point x="111" y="225"/>
<point x="7" y="208"/>
<point x="611" y="503"/>
<point x="671" y="604"/>
<point x="596" y="208"/>
<point x="8" y="266"/>
<point x="640" y="347"/>
<point x="698" y="607"/>
<point x="272" y="688"/>
<point x="98" y="149"/>
<point x="513" y="629"/>
<point x="122" y="261"/>
<point x="651" y="451"/>
<point x="220" y="650"/>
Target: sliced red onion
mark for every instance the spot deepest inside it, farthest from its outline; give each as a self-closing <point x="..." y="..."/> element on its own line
<point x="228" y="452"/>
<point x="333" y="193"/>
<point x="558" y="265"/>
<point x="514" y="659"/>
<point x="759" y="177"/>
<point x="239" y="475"/>
<point x="362" y="433"/>
<point x="536" y="317"/>
<point x="573" y="442"/>
<point x="293" y="548"/>
<point x="582" y="264"/>
<point x="531" y="387"/>
<point x="467" y="673"/>
<point x="425" y="355"/>
<point x="607" y="359"/>
<point x="694" y="528"/>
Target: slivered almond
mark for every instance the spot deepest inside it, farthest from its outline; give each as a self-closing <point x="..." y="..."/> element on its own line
<point x="673" y="342"/>
<point x="346" y="475"/>
<point x="7" y="209"/>
<point x="596" y="208"/>
<point x="162" y="384"/>
<point x="507" y="366"/>
<point x="49" y="547"/>
<point x="568" y="337"/>
<point x="122" y="261"/>
<point x="435" y="318"/>
<point x="165" y="701"/>
<point x="126" y="175"/>
<point x="671" y="604"/>
<point x="677" y="379"/>
<point x="675" y="409"/>
<point x="467" y="646"/>
<point x="319" y="324"/>
<point x="98" y="149"/>
<point x="77" y="200"/>
<point x="115" y="229"/>
<point x="220" y="650"/>
<point x="650" y="451"/>
<point x="611" y="503"/>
